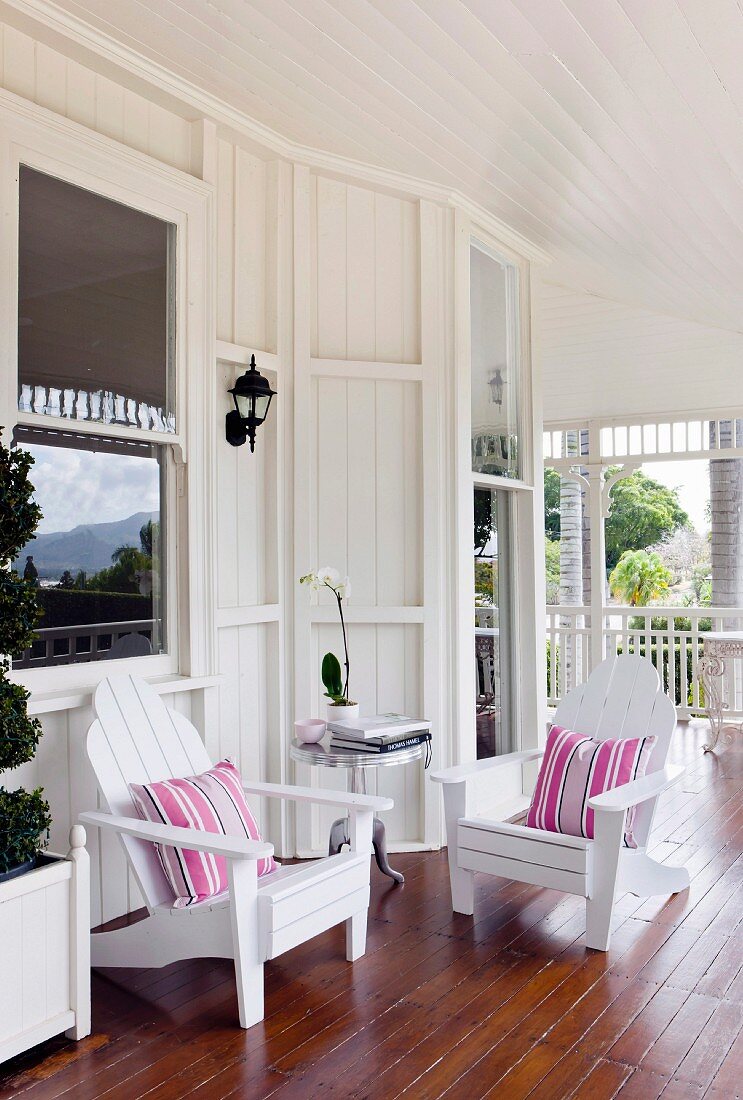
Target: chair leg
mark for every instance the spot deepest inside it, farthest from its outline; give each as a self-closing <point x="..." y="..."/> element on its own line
<point x="243" y="881"/>
<point x="462" y="887"/>
<point x="608" y="833"/>
<point x="645" y="877"/>
<point x="356" y="936"/>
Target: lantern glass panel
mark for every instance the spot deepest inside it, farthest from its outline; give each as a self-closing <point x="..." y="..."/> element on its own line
<point x="262" y="402"/>
<point x="244" y="404"/>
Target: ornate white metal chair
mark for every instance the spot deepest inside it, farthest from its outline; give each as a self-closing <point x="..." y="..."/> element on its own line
<point x="622" y="698"/>
<point x="137" y="739"/>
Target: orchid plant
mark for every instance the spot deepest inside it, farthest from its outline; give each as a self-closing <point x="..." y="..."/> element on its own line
<point x="336" y="688"/>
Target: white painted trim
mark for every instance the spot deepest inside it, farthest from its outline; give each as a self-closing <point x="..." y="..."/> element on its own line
<point x="50" y="143"/>
<point x="326" y="613"/>
<point x="185" y="97"/>
<point x="47" y="702"/>
<point x="358" y="368"/>
<point x="93" y="427"/>
<point x="238" y="353"/>
<point x="248" y="615"/>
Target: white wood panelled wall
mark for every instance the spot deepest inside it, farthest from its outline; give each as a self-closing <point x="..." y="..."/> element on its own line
<point x="344" y="293"/>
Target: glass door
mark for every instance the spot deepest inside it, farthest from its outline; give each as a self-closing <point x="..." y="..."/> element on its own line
<point x="493" y="622"/>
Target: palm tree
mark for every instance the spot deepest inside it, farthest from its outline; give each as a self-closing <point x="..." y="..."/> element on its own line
<point x="639" y="577"/>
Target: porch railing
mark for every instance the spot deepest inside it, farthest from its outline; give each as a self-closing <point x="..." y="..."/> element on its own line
<point x="68" y="645"/>
<point x="672" y="637"/>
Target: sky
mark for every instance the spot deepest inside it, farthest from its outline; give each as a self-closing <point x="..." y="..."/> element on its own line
<point x="79" y="487"/>
<point x="691" y="478"/>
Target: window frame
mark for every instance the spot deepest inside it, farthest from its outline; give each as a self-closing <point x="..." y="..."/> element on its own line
<point x="526" y="529"/>
<point x="32" y="136"/>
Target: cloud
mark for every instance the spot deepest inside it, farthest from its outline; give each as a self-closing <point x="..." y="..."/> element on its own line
<point x="78" y="487"/>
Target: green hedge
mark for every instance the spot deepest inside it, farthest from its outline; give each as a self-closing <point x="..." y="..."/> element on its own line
<point x="71" y="607"/>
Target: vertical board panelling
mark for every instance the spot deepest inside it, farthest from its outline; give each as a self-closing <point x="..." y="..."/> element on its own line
<point x="225" y="241"/>
<point x="229" y="694"/>
<point x="227" y="497"/>
<point x="11" y="916"/>
<point x="19" y="62"/>
<point x="56" y="922"/>
<point x="33" y="951"/>
<point x="390" y="679"/>
<point x="169" y="138"/>
<point x="390" y="469"/>
<point x="109" y="108"/>
<point x="361" y="505"/>
<point x="249" y="501"/>
<point x="411" y="293"/>
<point x="80" y="94"/>
<point x="137" y="123"/>
<point x="413" y="494"/>
<point x="415" y="777"/>
<point x="250" y="250"/>
<point x="389" y="278"/>
<point x="310" y="265"/>
<point x="331" y="268"/>
<point x="360" y="269"/>
<point x="270" y="502"/>
<point x="332" y="474"/>
<point x="52" y="769"/>
<point x="51" y="79"/>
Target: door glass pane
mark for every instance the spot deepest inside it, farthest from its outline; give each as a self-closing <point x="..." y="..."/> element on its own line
<point x="493" y="619"/>
<point x="95" y="307"/>
<point x="495" y="365"/>
<point x="98" y="556"/>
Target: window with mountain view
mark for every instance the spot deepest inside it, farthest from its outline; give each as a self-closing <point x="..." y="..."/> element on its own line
<point x="95" y="355"/>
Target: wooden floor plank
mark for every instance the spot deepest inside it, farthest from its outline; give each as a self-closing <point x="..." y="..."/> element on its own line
<point x="508" y="1003"/>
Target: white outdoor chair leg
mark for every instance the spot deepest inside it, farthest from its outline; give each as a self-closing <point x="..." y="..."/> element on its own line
<point x="360" y="830"/>
<point x="462" y="882"/>
<point x="243" y="883"/>
<point x="608" y="833"/>
<point x="356" y="936"/>
<point x="646" y="877"/>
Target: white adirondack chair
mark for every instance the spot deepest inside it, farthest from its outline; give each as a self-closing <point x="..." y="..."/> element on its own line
<point x="622" y="698"/>
<point x="137" y="739"/>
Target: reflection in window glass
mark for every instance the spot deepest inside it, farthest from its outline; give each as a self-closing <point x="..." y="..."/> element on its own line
<point x="98" y="556"/>
<point x="95" y="307"/>
<point x="493" y="619"/>
<point x="495" y="365"/>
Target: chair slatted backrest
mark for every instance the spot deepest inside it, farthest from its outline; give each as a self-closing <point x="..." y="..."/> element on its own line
<point x="623" y="697"/>
<point x="137" y="739"/>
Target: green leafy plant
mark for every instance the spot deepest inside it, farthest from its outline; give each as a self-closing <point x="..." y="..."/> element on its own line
<point x="336" y="688"/>
<point x="24" y="815"/>
<point x="639" y="577"/>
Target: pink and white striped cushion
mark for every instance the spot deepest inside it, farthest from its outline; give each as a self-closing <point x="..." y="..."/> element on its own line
<point x="574" y="769"/>
<point x="213" y="802"/>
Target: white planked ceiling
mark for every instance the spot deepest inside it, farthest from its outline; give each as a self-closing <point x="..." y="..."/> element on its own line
<point x="606" y="131"/>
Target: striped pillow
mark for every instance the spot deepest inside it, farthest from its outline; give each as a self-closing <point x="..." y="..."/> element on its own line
<point x="574" y="769"/>
<point x="213" y="802"/>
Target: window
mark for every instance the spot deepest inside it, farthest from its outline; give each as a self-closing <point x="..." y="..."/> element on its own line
<point x="493" y="623"/>
<point x="495" y="365"/>
<point x="96" y="324"/>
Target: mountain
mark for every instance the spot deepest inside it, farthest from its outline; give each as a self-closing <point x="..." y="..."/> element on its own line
<point x="88" y="547"/>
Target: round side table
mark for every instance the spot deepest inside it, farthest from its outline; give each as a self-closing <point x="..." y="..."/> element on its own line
<point x="321" y="755"/>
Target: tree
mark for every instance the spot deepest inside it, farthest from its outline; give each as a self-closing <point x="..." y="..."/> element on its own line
<point x="24" y="815"/>
<point x="552" y="567"/>
<point x="483" y="520"/>
<point x="683" y="551"/>
<point x="639" y="577"/>
<point x="552" y="504"/>
<point x="643" y="511"/>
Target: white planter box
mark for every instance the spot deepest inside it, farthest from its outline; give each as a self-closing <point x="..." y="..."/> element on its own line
<point x="45" y="952"/>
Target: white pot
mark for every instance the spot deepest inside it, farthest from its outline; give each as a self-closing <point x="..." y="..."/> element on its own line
<point x="343" y="713"/>
<point x="56" y="957"/>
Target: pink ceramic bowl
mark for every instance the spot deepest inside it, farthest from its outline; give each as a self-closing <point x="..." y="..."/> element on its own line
<point x="310" y="730"/>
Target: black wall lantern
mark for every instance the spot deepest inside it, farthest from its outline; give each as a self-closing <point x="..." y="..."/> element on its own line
<point x="252" y="395"/>
<point x="496" y="383"/>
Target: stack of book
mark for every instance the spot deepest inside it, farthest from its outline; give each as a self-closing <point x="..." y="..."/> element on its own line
<point x="380" y="733"/>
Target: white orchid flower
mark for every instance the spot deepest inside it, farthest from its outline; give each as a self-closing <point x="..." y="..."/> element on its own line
<point x="344" y="588"/>
<point x="327" y="575"/>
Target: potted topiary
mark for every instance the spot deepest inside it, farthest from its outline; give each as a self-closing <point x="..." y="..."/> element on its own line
<point x="51" y="891"/>
<point x="24" y="815"/>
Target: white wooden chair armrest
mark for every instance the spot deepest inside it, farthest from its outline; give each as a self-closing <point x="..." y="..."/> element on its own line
<point x="321" y="797"/>
<point x="639" y="790"/>
<point x="195" y="839"/>
<point x="462" y="772"/>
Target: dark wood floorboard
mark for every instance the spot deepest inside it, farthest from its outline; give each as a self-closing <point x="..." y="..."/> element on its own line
<point x="508" y="1003"/>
